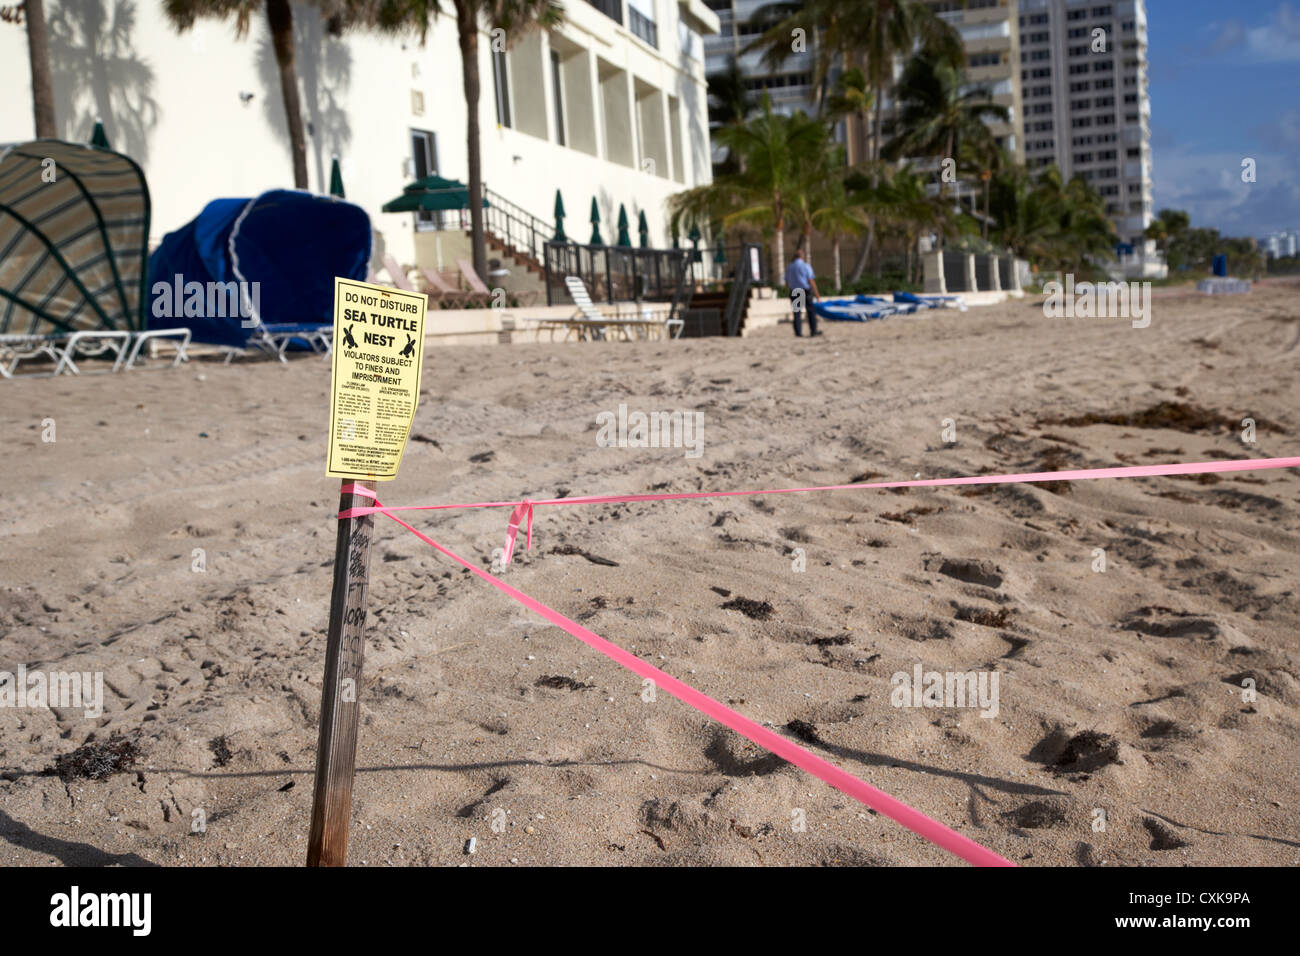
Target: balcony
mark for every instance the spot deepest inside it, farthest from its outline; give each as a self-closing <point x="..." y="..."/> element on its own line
<point x="642" y="26"/>
<point x="611" y="8"/>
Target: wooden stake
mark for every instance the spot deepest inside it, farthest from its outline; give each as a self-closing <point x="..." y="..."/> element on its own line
<point x="336" y="752"/>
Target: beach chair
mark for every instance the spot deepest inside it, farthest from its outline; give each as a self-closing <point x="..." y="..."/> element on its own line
<point x="182" y="342"/>
<point x="276" y="338"/>
<point x="443" y="292"/>
<point x="400" y="280"/>
<point x="92" y="343"/>
<point x="477" y="285"/>
<point x="15" y="349"/>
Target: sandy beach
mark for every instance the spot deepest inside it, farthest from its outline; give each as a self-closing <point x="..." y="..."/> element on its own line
<point x="1120" y="691"/>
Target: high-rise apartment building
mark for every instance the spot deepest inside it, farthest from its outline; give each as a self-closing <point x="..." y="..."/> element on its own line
<point x="790" y="85"/>
<point x="991" y="40"/>
<point x="1083" y="76"/>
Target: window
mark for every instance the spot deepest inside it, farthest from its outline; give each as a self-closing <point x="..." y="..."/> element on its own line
<point x="1079" y="50"/>
<point x="424" y="160"/>
<point x="557" y="87"/>
<point x="1080" y="158"/>
<point x="985" y="59"/>
<point x="1040" y="108"/>
<point x="1134" y="152"/>
<point x="1103" y="101"/>
<point x="1077" y="68"/>
<point x="642" y="26"/>
<point x="501" y="86"/>
<point x="1080" y="104"/>
<point x="1107" y="154"/>
<point x="1079" y="122"/>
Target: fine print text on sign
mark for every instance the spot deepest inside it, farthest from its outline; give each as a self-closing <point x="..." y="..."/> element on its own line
<point x="378" y="353"/>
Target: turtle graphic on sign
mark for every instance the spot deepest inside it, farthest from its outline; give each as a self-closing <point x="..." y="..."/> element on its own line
<point x="409" y="349"/>
<point x="348" y="340"/>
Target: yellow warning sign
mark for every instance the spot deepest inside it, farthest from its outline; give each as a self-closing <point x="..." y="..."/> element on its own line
<point x="378" y="353"/>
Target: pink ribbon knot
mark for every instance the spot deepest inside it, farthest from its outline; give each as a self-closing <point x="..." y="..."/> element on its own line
<point x="522" y="511"/>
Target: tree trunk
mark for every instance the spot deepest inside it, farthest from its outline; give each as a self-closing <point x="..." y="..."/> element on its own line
<point x="865" y="251"/>
<point x="279" y="16"/>
<point x="984" y="227"/>
<point x="835" y="255"/>
<point x="467" y="24"/>
<point x="38" y="52"/>
<point x="780" y="247"/>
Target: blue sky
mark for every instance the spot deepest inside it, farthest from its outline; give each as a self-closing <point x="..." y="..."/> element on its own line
<point x="1225" y="86"/>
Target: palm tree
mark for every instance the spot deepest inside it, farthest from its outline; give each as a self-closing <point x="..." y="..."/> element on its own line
<point x="869" y="34"/>
<point x="1168" y="225"/>
<point x="981" y="157"/>
<point x="1059" y="224"/>
<point x="775" y="153"/>
<point x="902" y="201"/>
<point x="38" y="55"/>
<point x="515" y="18"/>
<point x="837" y="214"/>
<point x="732" y="104"/>
<point x="279" y="18"/>
<point x="935" y="118"/>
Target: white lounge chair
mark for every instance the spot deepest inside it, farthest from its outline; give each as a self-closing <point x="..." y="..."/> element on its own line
<point x="588" y="322"/>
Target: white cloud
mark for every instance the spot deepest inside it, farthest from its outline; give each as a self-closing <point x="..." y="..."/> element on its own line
<point x="1279" y="41"/>
<point x="1209" y="186"/>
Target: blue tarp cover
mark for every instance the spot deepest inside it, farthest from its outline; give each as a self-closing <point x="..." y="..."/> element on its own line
<point x="291" y="243"/>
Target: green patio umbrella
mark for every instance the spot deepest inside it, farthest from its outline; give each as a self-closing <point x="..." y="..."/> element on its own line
<point x="99" y="138"/>
<point x="720" y="254"/>
<point x="676" y="244"/>
<point x="336" y="179"/>
<point x="431" y="194"/>
<point x="644" y="228"/>
<point x="559" y="219"/>
<point x="624" y="237"/>
<point x="596" y="240"/>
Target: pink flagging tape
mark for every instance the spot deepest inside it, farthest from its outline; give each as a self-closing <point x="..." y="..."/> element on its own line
<point x="878" y="800"/>
<point x="524" y="509"/>
<point x="914" y="820"/>
<point x="361" y="491"/>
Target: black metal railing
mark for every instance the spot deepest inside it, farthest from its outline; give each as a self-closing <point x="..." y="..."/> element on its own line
<point x="516" y="227"/>
<point x="642" y="26"/>
<point x="611" y="8"/>
<point x="742" y="281"/>
<point x="614" y="274"/>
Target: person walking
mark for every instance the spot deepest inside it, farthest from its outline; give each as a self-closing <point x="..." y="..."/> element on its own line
<point x="801" y="283"/>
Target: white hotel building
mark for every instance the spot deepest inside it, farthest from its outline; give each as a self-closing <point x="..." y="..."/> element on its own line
<point x="612" y="105"/>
